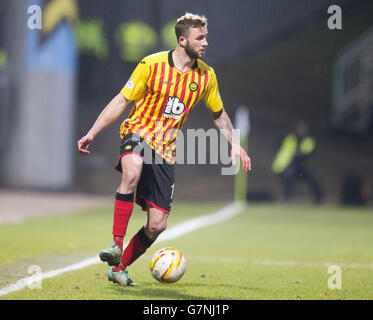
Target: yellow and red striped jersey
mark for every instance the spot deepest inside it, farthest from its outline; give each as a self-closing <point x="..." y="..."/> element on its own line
<point x="163" y="97"/>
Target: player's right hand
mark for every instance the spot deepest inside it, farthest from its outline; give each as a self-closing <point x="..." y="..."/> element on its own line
<point x="83" y="145"/>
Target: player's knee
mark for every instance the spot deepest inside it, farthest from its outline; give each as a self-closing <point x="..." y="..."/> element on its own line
<point x="129" y="178"/>
<point x="157" y="228"/>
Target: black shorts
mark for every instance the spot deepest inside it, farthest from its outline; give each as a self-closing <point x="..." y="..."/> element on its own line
<point x="157" y="180"/>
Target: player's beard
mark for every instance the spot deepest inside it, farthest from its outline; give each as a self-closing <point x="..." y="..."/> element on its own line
<point x="192" y="54"/>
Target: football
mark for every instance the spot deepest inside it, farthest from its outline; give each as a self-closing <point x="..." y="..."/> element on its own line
<point x="168" y="265"/>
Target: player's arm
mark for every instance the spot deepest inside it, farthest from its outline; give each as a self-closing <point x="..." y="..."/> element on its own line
<point x="111" y="113"/>
<point x="224" y="124"/>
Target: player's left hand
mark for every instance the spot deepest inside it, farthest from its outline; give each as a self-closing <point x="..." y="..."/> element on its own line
<point x="238" y="151"/>
<point x="83" y="144"/>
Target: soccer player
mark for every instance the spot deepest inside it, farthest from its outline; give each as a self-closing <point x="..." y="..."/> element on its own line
<point x="164" y="87"/>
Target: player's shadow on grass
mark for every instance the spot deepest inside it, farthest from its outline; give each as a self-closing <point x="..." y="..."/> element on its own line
<point x="146" y="291"/>
<point x="156" y="293"/>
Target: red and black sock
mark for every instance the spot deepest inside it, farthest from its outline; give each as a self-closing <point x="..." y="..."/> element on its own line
<point x="122" y="213"/>
<point x="136" y="247"/>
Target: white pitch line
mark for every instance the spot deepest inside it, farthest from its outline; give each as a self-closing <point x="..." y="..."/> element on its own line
<point x="223" y="214"/>
<point x="179" y="230"/>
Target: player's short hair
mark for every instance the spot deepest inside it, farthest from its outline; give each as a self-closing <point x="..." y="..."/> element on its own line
<point x="187" y="21"/>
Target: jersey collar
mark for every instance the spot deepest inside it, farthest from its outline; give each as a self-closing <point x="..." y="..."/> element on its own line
<point x="171" y="61"/>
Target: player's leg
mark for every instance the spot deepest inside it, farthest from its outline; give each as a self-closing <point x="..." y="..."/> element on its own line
<point x="156" y="223"/>
<point x="154" y="194"/>
<point x="124" y="199"/>
<point x="130" y="165"/>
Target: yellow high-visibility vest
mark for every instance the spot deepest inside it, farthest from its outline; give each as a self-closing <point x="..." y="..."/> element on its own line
<point x="91" y="39"/>
<point x="288" y="149"/>
<point x="169" y="40"/>
<point x="136" y="40"/>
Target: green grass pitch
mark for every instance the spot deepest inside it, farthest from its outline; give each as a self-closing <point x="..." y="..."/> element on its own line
<point x="265" y="252"/>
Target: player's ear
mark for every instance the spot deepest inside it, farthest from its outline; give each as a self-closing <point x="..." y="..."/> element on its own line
<point x="182" y="41"/>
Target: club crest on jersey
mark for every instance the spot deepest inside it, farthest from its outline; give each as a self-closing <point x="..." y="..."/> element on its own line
<point x="193" y="86"/>
<point x="174" y="108"/>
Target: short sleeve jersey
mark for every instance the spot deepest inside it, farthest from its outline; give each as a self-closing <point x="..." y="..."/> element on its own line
<point x="163" y="97"/>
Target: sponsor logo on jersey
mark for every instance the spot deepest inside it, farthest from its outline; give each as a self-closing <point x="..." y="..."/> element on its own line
<point x="174" y="108"/>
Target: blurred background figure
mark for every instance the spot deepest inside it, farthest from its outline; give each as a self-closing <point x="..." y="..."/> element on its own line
<point x="291" y="162"/>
